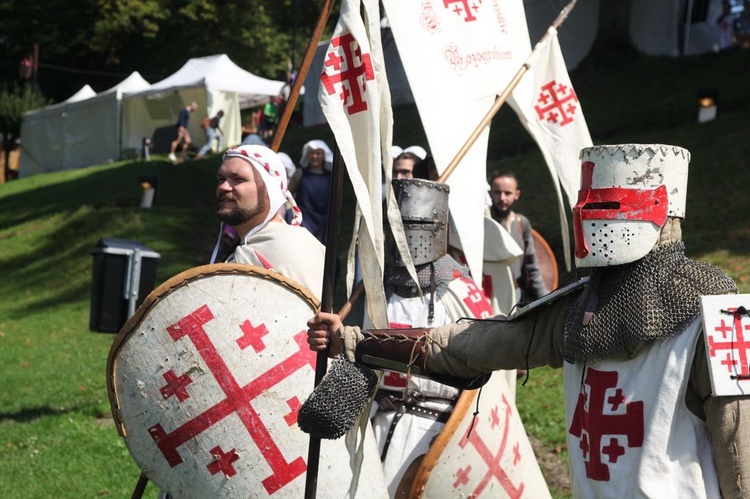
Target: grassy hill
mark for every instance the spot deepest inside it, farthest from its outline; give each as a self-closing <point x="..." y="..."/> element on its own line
<point x="56" y="439"/>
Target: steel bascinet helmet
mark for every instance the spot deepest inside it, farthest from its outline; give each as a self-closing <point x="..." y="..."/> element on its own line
<point x="627" y="193"/>
<point x="424" y="212"/>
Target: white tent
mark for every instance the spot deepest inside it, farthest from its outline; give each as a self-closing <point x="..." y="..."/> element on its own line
<point x="214" y="83"/>
<point x="81" y="131"/>
<point x="675" y="27"/>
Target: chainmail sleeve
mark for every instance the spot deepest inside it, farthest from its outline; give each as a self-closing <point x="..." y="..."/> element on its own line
<point x="466" y="350"/>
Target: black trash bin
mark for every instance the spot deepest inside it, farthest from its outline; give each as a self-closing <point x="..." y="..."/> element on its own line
<point x="120" y="267"/>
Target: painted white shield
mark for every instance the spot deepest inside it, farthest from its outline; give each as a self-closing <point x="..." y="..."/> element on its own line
<point x="725" y="326"/>
<point x="486" y="457"/>
<point x="205" y="381"/>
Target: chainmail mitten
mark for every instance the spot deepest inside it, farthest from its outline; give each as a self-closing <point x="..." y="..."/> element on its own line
<point x="336" y="403"/>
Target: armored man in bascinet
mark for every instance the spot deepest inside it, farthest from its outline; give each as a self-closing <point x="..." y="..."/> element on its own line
<point x="643" y="417"/>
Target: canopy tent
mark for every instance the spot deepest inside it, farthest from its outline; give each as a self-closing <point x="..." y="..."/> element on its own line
<point x="214" y="83"/>
<point x="82" y="131"/>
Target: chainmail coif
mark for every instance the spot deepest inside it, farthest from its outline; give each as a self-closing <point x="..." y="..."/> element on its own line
<point x="336" y="403"/>
<point x="653" y="298"/>
<point x="446" y="269"/>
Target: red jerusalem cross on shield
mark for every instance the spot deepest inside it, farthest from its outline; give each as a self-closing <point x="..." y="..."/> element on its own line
<point x="591" y="423"/>
<point x="729" y="338"/>
<point x="347" y="67"/>
<point x="557" y="103"/>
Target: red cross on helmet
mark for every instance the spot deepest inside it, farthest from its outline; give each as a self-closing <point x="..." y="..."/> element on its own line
<point x="627" y="193"/>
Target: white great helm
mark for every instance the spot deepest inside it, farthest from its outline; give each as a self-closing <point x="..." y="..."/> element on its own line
<point x="627" y="193"/>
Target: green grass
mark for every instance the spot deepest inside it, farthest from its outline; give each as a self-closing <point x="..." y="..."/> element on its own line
<point x="54" y="436"/>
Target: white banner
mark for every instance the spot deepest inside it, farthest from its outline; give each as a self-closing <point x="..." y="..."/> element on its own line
<point x="355" y="99"/>
<point x="548" y="107"/>
<point x="458" y="55"/>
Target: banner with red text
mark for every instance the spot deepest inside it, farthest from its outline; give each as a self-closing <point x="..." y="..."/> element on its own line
<point x="458" y="55"/>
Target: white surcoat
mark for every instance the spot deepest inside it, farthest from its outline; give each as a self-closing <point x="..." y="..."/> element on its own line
<point x="630" y="433"/>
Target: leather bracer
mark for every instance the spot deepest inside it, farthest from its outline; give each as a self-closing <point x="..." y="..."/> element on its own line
<point x="406" y="351"/>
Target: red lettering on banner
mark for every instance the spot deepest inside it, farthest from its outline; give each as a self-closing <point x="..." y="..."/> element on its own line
<point x="736" y="346"/>
<point x="475" y="300"/>
<point x="466" y="9"/>
<point x="492" y="460"/>
<point x="590" y="423"/>
<point x="237" y="401"/>
<point x="557" y="103"/>
<point x="357" y="69"/>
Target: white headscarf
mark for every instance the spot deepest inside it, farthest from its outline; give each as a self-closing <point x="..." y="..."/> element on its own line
<point x="288" y="164"/>
<point x="316" y="144"/>
<point x="272" y="171"/>
<point x="417" y="150"/>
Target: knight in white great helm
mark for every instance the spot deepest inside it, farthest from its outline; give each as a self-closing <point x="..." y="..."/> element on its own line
<point x="643" y="418"/>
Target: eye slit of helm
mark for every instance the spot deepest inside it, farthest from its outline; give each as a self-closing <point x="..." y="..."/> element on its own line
<point x="602" y="206"/>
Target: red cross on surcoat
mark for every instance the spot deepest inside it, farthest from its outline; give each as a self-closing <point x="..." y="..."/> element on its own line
<point x="352" y="79"/>
<point x="590" y="423"/>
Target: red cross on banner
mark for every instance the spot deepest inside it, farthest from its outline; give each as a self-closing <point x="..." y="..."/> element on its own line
<point x="466" y="9"/>
<point x="591" y="424"/>
<point x="557" y="103"/>
<point x="349" y="69"/>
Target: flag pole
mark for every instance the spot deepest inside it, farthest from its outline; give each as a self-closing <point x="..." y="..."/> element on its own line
<point x="326" y="305"/>
<point x="304" y="68"/>
<point x="500" y="100"/>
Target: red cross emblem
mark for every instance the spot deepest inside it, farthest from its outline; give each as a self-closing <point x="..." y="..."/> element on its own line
<point x="346" y="66"/>
<point x="730" y="339"/>
<point x="491" y="457"/>
<point x="476" y="301"/>
<point x="591" y="423"/>
<point x="466" y="9"/>
<point x="237" y="400"/>
<point x="557" y="103"/>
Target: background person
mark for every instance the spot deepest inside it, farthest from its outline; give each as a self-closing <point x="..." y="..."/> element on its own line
<point x="183" y="135"/>
<point x="504" y="192"/>
<point x="311" y="187"/>
<point x="213" y="132"/>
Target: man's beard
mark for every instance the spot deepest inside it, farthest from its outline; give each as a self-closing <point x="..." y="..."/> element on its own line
<point x="498" y="213"/>
<point x="233" y="215"/>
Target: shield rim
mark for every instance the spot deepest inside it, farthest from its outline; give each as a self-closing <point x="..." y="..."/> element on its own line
<point x="172" y="284"/>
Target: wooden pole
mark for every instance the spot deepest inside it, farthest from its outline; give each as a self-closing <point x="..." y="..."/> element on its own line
<point x="500" y="100"/>
<point x="326" y="305"/>
<point x="278" y="134"/>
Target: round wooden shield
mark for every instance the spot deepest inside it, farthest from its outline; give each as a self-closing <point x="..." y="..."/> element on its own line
<point x="205" y="381"/>
<point x="489" y="456"/>
<point x="547" y="262"/>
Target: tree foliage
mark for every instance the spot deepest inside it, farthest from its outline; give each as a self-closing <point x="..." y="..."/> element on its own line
<point x="15" y="101"/>
<point x="99" y="42"/>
